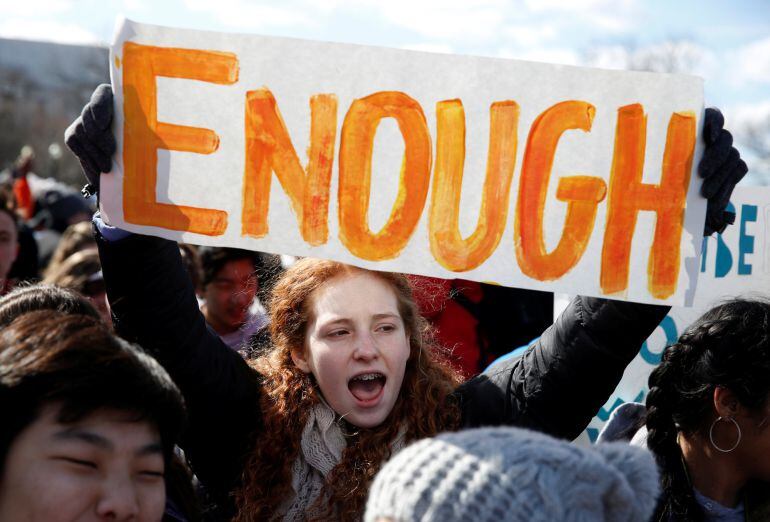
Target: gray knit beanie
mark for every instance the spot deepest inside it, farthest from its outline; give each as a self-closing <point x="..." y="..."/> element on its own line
<point x="512" y="474"/>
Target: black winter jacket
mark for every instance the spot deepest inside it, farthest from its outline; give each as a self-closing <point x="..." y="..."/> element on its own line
<point x="555" y="387"/>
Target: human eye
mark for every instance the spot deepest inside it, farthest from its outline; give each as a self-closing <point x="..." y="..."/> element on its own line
<point x="338" y="333"/>
<point x="150" y="468"/>
<point x="223" y="284"/>
<point x="80" y="463"/>
<point x="386" y="328"/>
<point x="152" y="474"/>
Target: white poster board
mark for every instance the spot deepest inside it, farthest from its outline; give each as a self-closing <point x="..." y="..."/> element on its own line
<point x="523" y="174"/>
<point x="734" y="264"/>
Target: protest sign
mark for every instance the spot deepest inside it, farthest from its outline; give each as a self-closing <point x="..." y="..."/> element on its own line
<point x="734" y="264"/>
<point x="522" y="174"/>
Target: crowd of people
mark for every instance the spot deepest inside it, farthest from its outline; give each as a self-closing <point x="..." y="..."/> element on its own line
<point x="146" y="380"/>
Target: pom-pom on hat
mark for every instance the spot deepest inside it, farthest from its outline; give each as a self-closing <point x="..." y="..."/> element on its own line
<point x="512" y="474"/>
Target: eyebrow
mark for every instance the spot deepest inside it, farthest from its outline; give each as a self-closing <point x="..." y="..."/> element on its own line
<point x="382" y="315"/>
<point x="94" y="439"/>
<point x="249" y="279"/>
<point x="81" y="435"/>
<point x="154" y="448"/>
<point x="386" y="315"/>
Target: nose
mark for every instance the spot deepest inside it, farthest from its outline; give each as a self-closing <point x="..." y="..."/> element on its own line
<point x="366" y="348"/>
<point x="119" y="500"/>
<point x="244" y="294"/>
<point x="241" y="297"/>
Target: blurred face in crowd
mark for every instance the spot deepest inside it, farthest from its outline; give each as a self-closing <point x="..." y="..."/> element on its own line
<point x="104" y="467"/>
<point x="356" y="347"/>
<point x="229" y="295"/>
<point x="8" y="244"/>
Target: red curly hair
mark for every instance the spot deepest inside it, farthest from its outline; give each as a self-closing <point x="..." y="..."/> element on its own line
<point x="425" y="405"/>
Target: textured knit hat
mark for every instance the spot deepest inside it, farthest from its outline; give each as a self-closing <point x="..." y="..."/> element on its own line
<point x="512" y="474"/>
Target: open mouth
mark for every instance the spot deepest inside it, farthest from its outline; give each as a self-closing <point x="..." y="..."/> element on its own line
<point x="367" y="387"/>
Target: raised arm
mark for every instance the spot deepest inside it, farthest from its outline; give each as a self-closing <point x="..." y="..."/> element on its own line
<point x="563" y="379"/>
<point x="154" y="305"/>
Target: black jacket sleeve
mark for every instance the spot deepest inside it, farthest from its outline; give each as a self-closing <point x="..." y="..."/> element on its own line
<point x="153" y="304"/>
<point x="563" y="379"/>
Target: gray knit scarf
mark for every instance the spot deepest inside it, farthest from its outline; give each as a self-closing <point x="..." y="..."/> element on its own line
<point x="321" y="445"/>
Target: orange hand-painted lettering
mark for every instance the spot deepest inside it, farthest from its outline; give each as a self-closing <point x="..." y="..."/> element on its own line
<point x="448" y="247"/>
<point x="269" y="149"/>
<point x="356" y="147"/>
<point x="628" y="195"/>
<point x="582" y="194"/>
<point x="143" y="134"/>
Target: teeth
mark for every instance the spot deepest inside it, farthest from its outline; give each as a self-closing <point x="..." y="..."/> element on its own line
<point x="368" y="377"/>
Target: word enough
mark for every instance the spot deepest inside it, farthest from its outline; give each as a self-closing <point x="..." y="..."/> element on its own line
<point x="269" y="151"/>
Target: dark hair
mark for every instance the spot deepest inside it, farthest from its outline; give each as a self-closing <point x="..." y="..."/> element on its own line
<point x="192" y="263"/>
<point x="30" y="298"/>
<point x="214" y="258"/>
<point x="8" y="205"/>
<point x="75" y="238"/>
<point x="75" y="362"/>
<point x="55" y="209"/>
<point x="80" y="272"/>
<point x="729" y="347"/>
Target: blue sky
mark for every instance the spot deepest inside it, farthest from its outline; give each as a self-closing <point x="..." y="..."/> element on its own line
<point x="728" y="44"/>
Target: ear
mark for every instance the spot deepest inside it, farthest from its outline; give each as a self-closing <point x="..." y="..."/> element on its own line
<point x="300" y="360"/>
<point x="725" y="402"/>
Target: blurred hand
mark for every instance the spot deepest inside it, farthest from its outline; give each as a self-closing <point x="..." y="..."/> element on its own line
<point x="721" y="168"/>
<point x="23" y="164"/>
<point x="90" y="136"/>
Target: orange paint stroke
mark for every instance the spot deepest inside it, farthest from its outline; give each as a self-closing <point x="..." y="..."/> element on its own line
<point x="581" y="193"/>
<point x="356" y="148"/>
<point x="143" y="135"/>
<point x="448" y="247"/>
<point x="269" y="149"/>
<point x="628" y="195"/>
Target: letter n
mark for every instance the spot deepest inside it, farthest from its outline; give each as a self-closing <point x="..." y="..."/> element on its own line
<point x="269" y="149"/>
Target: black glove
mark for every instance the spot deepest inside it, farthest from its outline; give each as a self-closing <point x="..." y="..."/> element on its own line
<point x="90" y="137"/>
<point x="721" y="168"/>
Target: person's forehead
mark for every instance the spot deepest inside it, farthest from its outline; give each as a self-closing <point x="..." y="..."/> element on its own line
<point x="241" y="267"/>
<point x="356" y="291"/>
<point x="118" y="428"/>
<point x="114" y="432"/>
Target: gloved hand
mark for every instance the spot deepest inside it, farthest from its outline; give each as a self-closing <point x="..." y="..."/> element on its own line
<point x="90" y="137"/>
<point x="721" y="168"/>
